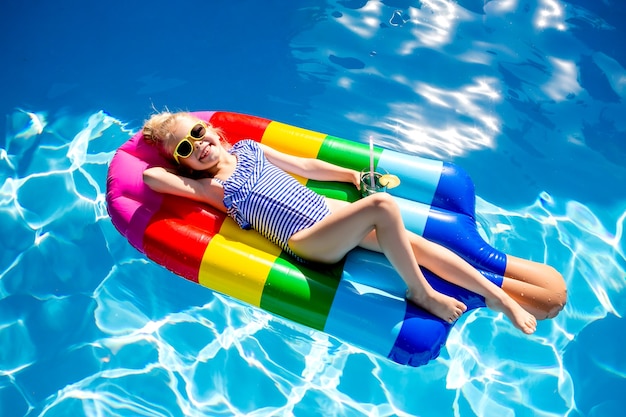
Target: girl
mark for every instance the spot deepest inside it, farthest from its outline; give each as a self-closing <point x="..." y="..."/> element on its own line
<point x="248" y="181"/>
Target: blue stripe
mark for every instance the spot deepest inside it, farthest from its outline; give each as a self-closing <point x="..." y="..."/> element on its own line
<point x="369" y="307"/>
<point x="421" y="338"/>
<point x="414" y="215"/>
<point x="456" y="191"/>
<point x="419" y="176"/>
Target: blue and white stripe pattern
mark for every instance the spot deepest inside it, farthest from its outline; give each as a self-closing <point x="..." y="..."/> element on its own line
<point x="263" y="197"/>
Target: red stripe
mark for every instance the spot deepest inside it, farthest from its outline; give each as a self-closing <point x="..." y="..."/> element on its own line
<point x="177" y="235"/>
<point x="240" y="126"/>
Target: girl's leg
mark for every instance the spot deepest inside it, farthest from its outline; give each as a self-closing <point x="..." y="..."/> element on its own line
<point x="330" y="239"/>
<point x="451" y="267"/>
<point x="539" y="287"/>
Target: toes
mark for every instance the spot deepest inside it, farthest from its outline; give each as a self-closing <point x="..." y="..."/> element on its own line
<point x="531" y="326"/>
<point x="455" y="316"/>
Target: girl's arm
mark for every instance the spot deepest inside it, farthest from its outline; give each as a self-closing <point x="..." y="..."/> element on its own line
<point x="311" y="168"/>
<point x="205" y="190"/>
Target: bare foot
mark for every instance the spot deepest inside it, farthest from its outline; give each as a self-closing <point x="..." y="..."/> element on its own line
<point x="441" y="305"/>
<point x="521" y="318"/>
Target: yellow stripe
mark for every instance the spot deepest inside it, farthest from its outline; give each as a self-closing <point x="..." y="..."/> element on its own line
<point x="293" y="140"/>
<point x="237" y="263"/>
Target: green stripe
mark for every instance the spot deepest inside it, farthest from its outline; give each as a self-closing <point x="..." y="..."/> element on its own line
<point x="347" y="153"/>
<point x="336" y="190"/>
<point x="299" y="293"/>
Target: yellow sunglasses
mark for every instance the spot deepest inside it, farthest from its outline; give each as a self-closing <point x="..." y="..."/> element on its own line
<point x="184" y="149"/>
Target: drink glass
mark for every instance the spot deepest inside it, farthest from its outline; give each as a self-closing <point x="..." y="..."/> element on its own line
<point x="366" y="182"/>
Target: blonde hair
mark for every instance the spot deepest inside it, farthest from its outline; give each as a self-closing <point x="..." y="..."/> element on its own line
<point x="158" y="131"/>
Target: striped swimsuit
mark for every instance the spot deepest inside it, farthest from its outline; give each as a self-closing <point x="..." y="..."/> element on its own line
<point x="261" y="196"/>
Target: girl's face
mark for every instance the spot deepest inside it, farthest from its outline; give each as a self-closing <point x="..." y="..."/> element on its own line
<point x="195" y="145"/>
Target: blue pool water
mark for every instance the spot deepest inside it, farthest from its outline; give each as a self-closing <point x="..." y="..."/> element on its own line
<point x="528" y="96"/>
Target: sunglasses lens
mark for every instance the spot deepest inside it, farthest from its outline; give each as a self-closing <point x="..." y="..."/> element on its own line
<point x="184" y="149"/>
<point x="198" y="131"/>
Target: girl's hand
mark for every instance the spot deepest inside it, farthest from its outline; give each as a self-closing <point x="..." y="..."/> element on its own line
<point x="356" y="179"/>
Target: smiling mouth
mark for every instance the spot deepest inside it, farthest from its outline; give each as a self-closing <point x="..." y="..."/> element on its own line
<point x="205" y="152"/>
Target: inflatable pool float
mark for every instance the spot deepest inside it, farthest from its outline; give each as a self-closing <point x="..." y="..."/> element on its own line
<point x="359" y="300"/>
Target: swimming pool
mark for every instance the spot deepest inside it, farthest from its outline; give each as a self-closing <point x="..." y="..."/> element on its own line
<point x="527" y="96"/>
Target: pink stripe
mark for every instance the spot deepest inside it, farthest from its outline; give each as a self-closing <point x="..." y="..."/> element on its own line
<point x="131" y="204"/>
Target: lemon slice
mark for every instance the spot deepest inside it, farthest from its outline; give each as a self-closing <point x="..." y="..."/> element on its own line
<point x="389" y="180"/>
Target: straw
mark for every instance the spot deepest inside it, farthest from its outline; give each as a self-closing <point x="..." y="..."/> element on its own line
<point x="371" y="161"/>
